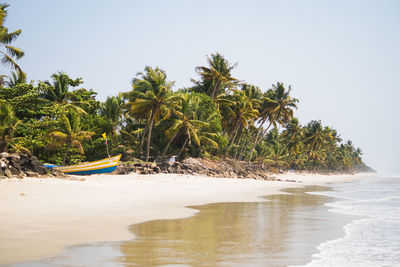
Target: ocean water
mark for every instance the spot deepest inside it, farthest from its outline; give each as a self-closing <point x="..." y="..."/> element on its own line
<point x="373" y="239"/>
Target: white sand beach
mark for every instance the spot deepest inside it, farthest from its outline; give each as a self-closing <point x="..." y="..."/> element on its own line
<point x="40" y="217"/>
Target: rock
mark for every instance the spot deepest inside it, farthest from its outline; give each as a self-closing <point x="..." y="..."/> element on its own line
<point x="14" y="171"/>
<point x="31" y="174"/>
<point x="8" y="173"/>
<point x="3" y="163"/>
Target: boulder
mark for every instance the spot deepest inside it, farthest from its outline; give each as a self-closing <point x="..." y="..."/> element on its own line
<point x="31" y="174"/>
<point x="8" y="173"/>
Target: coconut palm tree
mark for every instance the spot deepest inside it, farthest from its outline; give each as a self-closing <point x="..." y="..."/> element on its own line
<point x="216" y="77"/>
<point x="185" y="123"/>
<point x="15" y="78"/>
<point x="243" y="115"/>
<point x="112" y="110"/>
<point x="151" y="99"/>
<point x="292" y="135"/>
<point x="8" y="125"/>
<point x="277" y="108"/>
<point x="315" y="135"/>
<point x="9" y="53"/>
<point x="58" y="94"/>
<point x="71" y="135"/>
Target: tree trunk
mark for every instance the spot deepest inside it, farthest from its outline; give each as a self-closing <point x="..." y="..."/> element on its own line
<point x="256" y="141"/>
<point x="286" y="146"/>
<point x="66" y="153"/>
<point x="149" y="136"/>
<point x="250" y="140"/>
<point x="4" y="146"/>
<point x="169" y="143"/>
<point x="235" y="131"/>
<point x="142" y="139"/>
<point x="237" y="149"/>
<point x="216" y="88"/>
<point x="183" y="147"/>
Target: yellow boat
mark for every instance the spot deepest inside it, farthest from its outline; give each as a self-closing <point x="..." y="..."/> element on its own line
<point x="106" y="165"/>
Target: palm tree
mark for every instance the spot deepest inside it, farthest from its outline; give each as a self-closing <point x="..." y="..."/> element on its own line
<point x="8" y="52"/>
<point x="8" y="125"/>
<point x="292" y="135"/>
<point x="244" y="114"/>
<point x="57" y="93"/>
<point x="216" y="77"/>
<point x="185" y="123"/>
<point x="71" y="135"/>
<point x="315" y="135"/>
<point x="15" y="79"/>
<point x="150" y="98"/>
<point x="59" y="90"/>
<point x="277" y="108"/>
<point x="112" y="110"/>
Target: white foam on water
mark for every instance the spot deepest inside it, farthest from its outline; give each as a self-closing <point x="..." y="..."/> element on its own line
<point x="372" y="240"/>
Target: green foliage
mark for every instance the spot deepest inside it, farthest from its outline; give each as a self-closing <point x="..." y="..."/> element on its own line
<point x="9" y="53"/>
<point x="220" y="116"/>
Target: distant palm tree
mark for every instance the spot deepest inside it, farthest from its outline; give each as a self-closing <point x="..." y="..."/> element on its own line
<point x="8" y="125"/>
<point x="243" y="116"/>
<point x="277" y="109"/>
<point x="185" y="123"/>
<point x="15" y="79"/>
<point x="8" y="52"/>
<point x="58" y="93"/>
<point x="150" y="98"/>
<point x="112" y="110"/>
<point x="71" y="135"/>
<point x="292" y="135"/>
<point x="315" y="135"/>
<point x="216" y="77"/>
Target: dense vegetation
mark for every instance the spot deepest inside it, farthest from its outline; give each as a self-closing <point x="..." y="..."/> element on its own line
<point x="219" y="116"/>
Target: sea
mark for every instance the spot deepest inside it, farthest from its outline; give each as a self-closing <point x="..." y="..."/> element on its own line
<point x="373" y="239"/>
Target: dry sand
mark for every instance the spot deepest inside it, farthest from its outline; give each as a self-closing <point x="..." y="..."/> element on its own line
<point x="41" y="217"/>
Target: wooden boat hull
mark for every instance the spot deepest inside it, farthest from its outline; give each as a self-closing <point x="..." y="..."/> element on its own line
<point x="106" y="165"/>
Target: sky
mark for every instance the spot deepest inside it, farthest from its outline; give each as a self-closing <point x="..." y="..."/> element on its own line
<point x="341" y="57"/>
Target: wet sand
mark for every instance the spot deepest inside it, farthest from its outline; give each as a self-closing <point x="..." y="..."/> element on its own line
<point x="282" y="231"/>
<point x="41" y="217"/>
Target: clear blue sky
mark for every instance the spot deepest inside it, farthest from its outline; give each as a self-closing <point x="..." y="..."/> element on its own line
<point x="341" y="57"/>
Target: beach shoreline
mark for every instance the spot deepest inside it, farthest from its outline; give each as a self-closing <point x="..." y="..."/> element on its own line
<point x="41" y="217"/>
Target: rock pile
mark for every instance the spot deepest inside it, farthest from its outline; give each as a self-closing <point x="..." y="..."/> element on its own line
<point x="22" y="165"/>
<point x="195" y="166"/>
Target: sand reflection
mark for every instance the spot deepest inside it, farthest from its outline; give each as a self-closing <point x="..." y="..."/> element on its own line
<point x="282" y="231"/>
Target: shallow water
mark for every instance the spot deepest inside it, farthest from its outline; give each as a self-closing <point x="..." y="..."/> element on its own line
<point x="374" y="238"/>
<point x="284" y="230"/>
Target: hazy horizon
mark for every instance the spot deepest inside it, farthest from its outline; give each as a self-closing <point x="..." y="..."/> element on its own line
<point x="341" y="57"/>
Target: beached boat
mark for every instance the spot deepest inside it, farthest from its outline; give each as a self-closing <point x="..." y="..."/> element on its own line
<point x="106" y="165"/>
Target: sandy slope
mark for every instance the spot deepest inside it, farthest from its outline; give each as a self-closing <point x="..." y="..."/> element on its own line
<point x="40" y="217"/>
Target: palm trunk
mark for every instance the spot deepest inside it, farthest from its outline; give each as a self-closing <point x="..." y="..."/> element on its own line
<point x="235" y="131"/>
<point x="257" y="140"/>
<point x="237" y="149"/>
<point x="66" y="153"/>
<point x="250" y="140"/>
<point x="263" y="135"/>
<point x="142" y="139"/>
<point x="4" y="146"/>
<point x="149" y="135"/>
<point x="183" y="147"/>
<point x="286" y="146"/>
<point x="216" y="88"/>
<point x="169" y="143"/>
